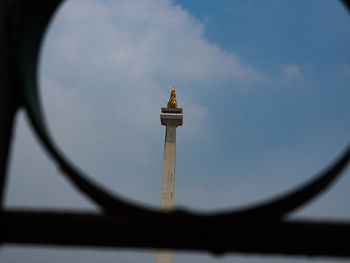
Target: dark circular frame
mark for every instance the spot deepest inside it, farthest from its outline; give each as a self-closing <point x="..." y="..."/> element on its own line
<point x="35" y="17"/>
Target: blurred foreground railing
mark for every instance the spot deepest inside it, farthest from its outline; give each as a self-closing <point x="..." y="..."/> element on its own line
<point x="263" y="228"/>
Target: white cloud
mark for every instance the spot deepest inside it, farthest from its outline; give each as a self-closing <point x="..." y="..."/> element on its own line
<point x="291" y="72"/>
<point x="149" y="40"/>
<point x="107" y="68"/>
<point x="127" y="55"/>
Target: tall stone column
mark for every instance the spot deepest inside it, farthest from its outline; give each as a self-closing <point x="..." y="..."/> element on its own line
<point x="171" y="117"/>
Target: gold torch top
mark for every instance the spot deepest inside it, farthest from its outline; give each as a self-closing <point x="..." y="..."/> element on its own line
<point x="172" y="103"/>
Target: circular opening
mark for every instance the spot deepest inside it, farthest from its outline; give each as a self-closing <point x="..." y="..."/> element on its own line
<point x="263" y="87"/>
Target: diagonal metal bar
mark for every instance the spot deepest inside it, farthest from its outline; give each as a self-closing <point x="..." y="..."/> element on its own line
<point x="9" y="101"/>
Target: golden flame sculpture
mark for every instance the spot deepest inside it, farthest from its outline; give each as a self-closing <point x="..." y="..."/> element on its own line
<point x="172" y="103"/>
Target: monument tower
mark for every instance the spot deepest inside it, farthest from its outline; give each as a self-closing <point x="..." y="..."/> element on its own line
<point x="171" y="117"/>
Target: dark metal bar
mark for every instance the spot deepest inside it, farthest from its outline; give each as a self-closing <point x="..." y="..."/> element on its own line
<point x="7" y="113"/>
<point x="9" y="101"/>
<point x="243" y="235"/>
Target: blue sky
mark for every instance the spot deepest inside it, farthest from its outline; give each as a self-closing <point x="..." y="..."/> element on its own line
<point x="264" y="87"/>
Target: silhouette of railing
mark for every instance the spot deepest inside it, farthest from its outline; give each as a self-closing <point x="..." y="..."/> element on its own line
<point x="263" y="228"/>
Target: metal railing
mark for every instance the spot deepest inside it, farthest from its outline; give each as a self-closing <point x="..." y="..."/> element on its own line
<point x="263" y="228"/>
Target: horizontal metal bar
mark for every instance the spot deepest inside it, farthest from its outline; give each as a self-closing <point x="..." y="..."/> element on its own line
<point x="243" y="235"/>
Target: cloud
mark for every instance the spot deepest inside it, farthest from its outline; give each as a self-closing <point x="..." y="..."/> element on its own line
<point x="291" y="72"/>
<point x="107" y="67"/>
<point x="150" y="40"/>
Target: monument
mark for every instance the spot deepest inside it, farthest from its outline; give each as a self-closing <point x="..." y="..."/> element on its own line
<point x="171" y="117"/>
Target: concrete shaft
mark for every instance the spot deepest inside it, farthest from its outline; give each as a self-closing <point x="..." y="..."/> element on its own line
<point x="171" y="118"/>
<point x="163" y="256"/>
<point x="168" y="173"/>
<point x="167" y="192"/>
